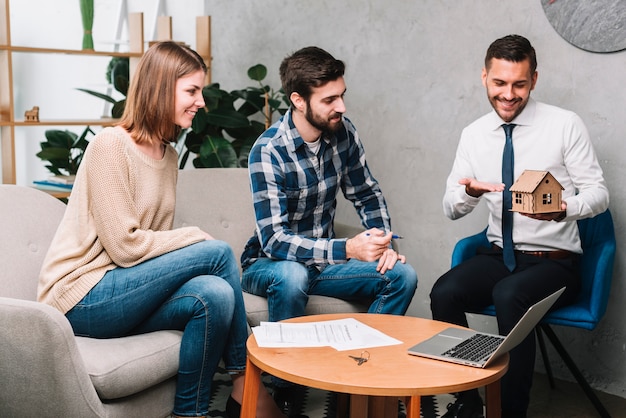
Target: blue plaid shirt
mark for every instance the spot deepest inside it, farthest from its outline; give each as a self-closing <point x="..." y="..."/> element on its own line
<point x="294" y="193"/>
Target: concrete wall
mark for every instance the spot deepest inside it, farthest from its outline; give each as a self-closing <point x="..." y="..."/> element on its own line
<point x="413" y="78"/>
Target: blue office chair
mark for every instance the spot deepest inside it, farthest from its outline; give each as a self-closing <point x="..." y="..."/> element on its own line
<point x="598" y="243"/>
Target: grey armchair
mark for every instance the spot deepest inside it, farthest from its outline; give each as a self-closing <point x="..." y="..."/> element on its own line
<point x="46" y="371"/>
<point x="219" y="201"/>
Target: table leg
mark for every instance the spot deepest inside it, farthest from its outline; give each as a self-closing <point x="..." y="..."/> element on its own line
<point x="251" y="385"/>
<point x="492" y="400"/>
<point x="343" y="400"/>
<point x="382" y="406"/>
<point x="358" y="406"/>
<point x="413" y="406"/>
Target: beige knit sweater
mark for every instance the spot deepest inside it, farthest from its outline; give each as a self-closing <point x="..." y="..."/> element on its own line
<point x="120" y="213"/>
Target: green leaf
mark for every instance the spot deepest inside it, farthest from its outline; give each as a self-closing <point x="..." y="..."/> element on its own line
<point x="217" y="152"/>
<point x="200" y="121"/>
<point x="193" y="141"/>
<point x="118" y="109"/>
<point x="214" y="96"/>
<point x="254" y="100"/>
<point x="64" y="150"/>
<point x="183" y="159"/>
<point x="255" y="129"/>
<point x="60" y="139"/>
<point x="121" y="84"/>
<point x="257" y="72"/>
<point x="227" y="118"/>
<point x="53" y="153"/>
<point x="98" y="95"/>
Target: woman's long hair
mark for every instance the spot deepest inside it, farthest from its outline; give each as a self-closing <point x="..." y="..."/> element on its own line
<point x="149" y="111"/>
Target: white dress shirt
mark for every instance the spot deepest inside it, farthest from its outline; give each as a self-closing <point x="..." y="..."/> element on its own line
<point x="546" y="138"/>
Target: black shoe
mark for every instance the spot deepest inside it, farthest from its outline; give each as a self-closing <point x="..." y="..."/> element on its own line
<point x="290" y="400"/>
<point x="513" y="414"/>
<point x="233" y="408"/>
<point x="466" y="406"/>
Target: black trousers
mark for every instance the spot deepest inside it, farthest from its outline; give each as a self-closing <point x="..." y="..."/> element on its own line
<point x="484" y="280"/>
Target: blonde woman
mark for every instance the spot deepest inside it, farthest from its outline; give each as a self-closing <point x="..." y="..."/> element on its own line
<point x="116" y="267"/>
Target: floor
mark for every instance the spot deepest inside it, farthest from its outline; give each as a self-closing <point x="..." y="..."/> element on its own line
<point x="567" y="399"/>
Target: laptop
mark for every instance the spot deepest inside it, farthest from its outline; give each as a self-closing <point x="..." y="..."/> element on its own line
<point x="478" y="349"/>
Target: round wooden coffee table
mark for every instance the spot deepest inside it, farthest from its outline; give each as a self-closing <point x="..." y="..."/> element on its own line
<point x="375" y="386"/>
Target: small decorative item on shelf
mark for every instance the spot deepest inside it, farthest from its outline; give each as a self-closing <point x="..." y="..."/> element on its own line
<point x="32" y="115"/>
<point x="86" y="12"/>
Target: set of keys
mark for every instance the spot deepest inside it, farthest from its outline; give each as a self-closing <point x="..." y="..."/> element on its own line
<point x="365" y="355"/>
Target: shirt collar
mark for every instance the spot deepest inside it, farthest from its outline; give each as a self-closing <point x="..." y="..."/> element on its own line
<point x="294" y="140"/>
<point x="525" y="118"/>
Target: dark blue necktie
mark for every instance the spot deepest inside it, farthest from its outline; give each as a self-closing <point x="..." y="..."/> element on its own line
<point x="507" y="216"/>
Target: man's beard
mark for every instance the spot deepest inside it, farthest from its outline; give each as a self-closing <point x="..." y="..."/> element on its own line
<point x="323" y="125"/>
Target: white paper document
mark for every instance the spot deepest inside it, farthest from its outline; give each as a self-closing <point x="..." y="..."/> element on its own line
<point x="341" y="334"/>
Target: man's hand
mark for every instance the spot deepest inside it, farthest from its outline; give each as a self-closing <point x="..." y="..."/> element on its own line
<point x="477" y="188"/>
<point x="373" y="245"/>
<point x="550" y="216"/>
<point x="388" y="260"/>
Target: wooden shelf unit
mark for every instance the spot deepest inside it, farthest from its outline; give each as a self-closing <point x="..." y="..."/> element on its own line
<point x="8" y="121"/>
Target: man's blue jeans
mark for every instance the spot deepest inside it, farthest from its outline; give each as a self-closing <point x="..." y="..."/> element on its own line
<point x="196" y="290"/>
<point x="287" y="284"/>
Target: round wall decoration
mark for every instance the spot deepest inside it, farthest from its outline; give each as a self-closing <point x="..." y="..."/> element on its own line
<point x="592" y="25"/>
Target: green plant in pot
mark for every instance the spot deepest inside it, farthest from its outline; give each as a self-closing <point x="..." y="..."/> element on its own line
<point x="222" y="134"/>
<point x="63" y="150"/>
<point x="118" y="75"/>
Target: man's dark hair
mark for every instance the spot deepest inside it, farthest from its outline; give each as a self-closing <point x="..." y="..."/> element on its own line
<point x="308" y="68"/>
<point x="514" y="48"/>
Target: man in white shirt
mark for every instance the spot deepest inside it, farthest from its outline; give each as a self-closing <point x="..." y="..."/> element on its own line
<point x="545" y="247"/>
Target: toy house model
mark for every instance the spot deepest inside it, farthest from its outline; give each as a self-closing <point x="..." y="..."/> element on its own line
<point x="536" y="192"/>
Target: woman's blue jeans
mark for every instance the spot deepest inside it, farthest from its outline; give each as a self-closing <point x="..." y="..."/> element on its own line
<point x="195" y="289"/>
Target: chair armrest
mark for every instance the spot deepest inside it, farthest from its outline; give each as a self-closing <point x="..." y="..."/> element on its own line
<point x="41" y="361"/>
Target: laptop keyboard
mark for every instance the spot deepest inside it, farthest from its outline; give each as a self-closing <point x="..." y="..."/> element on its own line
<point x="475" y="348"/>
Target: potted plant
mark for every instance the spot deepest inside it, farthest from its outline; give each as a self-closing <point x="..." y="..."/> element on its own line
<point x="222" y="134"/>
<point x="63" y="150"/>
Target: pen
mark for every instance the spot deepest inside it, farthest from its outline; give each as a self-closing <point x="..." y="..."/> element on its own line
<point x="394" y="236"/>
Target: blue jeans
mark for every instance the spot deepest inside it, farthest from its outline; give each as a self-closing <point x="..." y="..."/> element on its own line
<point x="287" y="284"/>
<point x="195" y="289"/>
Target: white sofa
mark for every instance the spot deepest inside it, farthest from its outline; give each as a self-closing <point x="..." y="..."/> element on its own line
<point x="45" y="370"/>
